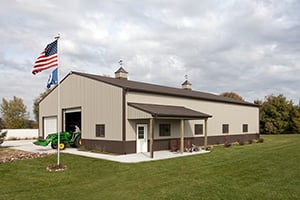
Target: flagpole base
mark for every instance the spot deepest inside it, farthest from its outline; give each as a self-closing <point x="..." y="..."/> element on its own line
<point x="56" y="168"/>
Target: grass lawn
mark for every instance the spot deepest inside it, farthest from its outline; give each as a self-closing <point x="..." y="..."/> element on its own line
<point x="269" y="170"/>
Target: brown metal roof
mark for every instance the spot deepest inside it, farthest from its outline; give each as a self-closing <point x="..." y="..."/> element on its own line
<point x="158" y="89"/>
<point x="169" y="111"/>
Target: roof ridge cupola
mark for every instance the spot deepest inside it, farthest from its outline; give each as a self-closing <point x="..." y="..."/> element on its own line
<point x="186" y="85"/>
<point x="121" y="73"/>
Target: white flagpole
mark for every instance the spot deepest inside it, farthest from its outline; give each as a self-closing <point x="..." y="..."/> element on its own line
<point x="58" y="104"/>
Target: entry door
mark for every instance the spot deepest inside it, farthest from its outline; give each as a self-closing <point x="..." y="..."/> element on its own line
<point x="142" y="139"/>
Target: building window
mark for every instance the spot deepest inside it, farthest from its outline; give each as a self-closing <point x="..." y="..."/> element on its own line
<point x="100" y="130"/>
<point x="198" y="129"/>
<point x="245" y="128"/>
<point x="225" y="128"/>
<point x="141" y="132"/>
<point x="164" y="130"/>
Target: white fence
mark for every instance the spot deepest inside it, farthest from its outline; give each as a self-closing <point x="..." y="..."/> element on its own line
<point x="13" y="134"/>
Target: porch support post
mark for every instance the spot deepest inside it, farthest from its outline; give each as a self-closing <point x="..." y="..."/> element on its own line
<point x="181" y="135"/>
<point x="205" y="133"/>
<point x="151" y="135"/>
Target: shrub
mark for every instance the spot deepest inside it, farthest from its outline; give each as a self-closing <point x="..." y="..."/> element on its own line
<point x="227" y="144"/>
<point x="208" y="148"/>
<point x="250" y="141"/>
<point x="241" y="142"/>
<point x="260" y="140"/>
<point x="3" y="134"/>
<point x="12" y="138"/>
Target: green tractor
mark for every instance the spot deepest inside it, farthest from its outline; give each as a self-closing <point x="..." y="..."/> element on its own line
<point x="66" y="138"/>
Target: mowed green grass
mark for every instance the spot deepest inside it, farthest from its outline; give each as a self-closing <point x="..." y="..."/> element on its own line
<point x="269" y="170"/>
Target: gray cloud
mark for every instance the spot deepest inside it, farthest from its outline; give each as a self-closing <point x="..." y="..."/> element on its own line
<point x="250" y="47"/>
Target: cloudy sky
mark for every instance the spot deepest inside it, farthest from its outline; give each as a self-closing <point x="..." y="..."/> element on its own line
<point x="246" y="46"/>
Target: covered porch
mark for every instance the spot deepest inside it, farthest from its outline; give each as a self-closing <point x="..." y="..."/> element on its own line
<point x="154" y="113"/>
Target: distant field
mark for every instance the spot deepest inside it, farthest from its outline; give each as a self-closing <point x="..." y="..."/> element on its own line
<point x="269" y="170"/>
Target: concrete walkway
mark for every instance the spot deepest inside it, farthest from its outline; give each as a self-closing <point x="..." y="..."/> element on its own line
<point x="27" y="145"/>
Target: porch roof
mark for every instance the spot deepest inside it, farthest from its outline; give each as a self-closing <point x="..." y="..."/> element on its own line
<point x="169" y="111"/>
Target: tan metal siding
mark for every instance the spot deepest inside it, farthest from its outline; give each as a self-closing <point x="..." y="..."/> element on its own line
<point x="100" y="104"/>
<point x="175" y="128"/>
<point x="134" y="113"/>
<point x="223" y="113"/>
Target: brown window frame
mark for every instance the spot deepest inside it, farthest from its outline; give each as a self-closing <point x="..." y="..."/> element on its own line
<point x="245" y="128"/>
<point x="225" y="128"/>
<point x="198" y="127"/>
<point x="164" y="130"/>
<point x="100" y="130"/>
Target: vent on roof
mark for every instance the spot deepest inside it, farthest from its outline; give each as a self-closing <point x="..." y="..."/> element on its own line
<point x="121" y="73"/>
<point x="186" y="85"/>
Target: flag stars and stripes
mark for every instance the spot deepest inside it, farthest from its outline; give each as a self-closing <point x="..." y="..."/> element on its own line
<point x="47" y="59"/>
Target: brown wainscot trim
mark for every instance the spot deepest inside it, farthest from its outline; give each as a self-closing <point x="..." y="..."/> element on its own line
<point x="111" y="146"/>
<point x="174" y="143"/>
<point x="222" y="139"/>
<point x="127" y="147"/>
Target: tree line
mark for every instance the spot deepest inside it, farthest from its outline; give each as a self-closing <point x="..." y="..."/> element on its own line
<point x="277" y="114"/>
<point x="15" y="115"/>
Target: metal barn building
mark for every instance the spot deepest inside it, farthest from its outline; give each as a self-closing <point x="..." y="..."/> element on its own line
<point x="122" y="116"/>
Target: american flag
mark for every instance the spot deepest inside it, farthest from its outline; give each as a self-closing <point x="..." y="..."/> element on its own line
<point x="47" y="59"/>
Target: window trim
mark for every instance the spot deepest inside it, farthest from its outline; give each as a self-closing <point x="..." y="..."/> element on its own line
<point x="225" y="128"/>
<point x="245" y="128"/>
<point x="202" y="129"/>
<point x="101" y="128"/>
<point x="160" y="129"/>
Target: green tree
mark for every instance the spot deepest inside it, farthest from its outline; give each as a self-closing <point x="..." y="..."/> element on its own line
<point x="294" y="126"/>
<point x="1" y="124"/>
<point x="14" y="113"/>
<point x="258" y="102"/>
<point x="278" y="115"/>
<point x="36" y="104"/>
<point x="232" y="95"/>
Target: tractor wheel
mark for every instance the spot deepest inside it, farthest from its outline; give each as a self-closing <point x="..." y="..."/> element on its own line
<point x="78" y="142"/>
<point x="53" y="146"/>
<point x="62" y="146"/>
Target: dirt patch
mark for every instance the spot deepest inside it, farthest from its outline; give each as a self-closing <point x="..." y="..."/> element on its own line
<point x="56" y="168"/>
<point x="10" y="155"/>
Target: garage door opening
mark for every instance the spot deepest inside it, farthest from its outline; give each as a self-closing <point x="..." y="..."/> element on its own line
<point x="72" y="118"/>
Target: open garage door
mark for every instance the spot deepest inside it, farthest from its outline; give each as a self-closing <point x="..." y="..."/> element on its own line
<point x="50" y="125"/>
<point x="72" y="117"/>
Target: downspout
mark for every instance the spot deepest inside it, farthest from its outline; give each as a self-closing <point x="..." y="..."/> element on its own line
<point x="151" y="134"/>
<point x="205" y="134"/>
<point x="124" y="91"/>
